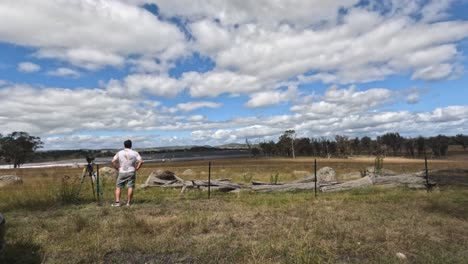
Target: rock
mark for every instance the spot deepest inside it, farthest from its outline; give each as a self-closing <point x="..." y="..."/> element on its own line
<point x="326" y="174"/>
<point x="108" y="172"/>
<point x="160" y="177"/>
<point x="188" y="172"/>
<point x="7" y="180"/>
<point x="401" y="256"/>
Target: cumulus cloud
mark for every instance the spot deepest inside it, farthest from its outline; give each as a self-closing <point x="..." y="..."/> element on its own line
<point x="261" y="99"/>
<point x="433" y="72"/>
<point x="141" y="84"/>
<point x="269" y="13"/>
<point x="28" y="67"/>
<point x="89" y="34"/>
<point x="191" y="106"/>
<point x="264" y="52"/>
<point x="64" y="72"/>
<point x="56" y="110"/>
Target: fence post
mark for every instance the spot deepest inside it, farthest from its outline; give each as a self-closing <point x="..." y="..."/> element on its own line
<point x="315" y="175"/>
<point x="98" y="189"/>
<point x="427" y="173"/>
<point x="209" y="179"/>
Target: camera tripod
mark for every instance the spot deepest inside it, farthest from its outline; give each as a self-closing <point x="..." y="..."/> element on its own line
<point x="89" y="171"/>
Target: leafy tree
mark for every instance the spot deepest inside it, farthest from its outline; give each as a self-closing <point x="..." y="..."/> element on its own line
<point x="462" y="140"/>
<point x="19" y="147"/>
<point x="342" y="145"/>
<point x="421" y="146"/>
<point x="439" y="145"/>
<point x="269" y="148"/>
<point x="366" y="145"/>
<point x="393" y="141"/>
<point x="286" y="143"/>
<point x="410" y="145"/>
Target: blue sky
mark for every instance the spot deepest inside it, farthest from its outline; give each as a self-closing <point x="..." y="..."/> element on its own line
<point x="90" y="74"/>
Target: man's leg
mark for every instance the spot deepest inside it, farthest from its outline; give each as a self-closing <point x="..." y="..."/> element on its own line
<point x="129" y="195"/>
<point x="117" y="194"/>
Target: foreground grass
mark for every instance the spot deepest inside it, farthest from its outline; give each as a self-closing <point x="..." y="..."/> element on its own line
<point x="46" y="224"/>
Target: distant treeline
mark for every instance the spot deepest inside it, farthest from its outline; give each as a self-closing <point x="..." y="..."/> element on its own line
<point x="342" y="146"/>
<point x="53" y="155"/>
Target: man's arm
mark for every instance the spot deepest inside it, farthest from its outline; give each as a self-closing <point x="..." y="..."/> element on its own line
<point x="115" y="164"/>
<point x="138" y="166"/>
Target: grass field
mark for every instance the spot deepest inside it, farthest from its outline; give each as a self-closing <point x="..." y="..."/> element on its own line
<point x="47" y="224"/>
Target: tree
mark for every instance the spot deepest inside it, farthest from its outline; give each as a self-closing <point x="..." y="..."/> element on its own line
<point x="462" y="140"/>
<point x="439" y="145"/>
<point x="286" y="143"/>
<point x="342" y="145"/>
<point x="392" y="140"/>
<point x="19" y="147"/>
<point x="366" y="145"/>
<point x="269" y="148"/>
<point x="421" y="146"/>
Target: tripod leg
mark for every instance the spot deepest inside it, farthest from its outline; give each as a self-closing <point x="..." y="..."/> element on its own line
<point x="83" y="176"/>
<point x="92" y="184"/>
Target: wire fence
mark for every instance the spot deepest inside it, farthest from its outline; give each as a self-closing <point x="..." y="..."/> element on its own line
<point x="242" y="171"/>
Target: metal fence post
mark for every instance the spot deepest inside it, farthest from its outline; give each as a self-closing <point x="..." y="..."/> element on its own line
<point x="427" y="173"/>
<point x="209" y="179"/>
<point x="315" y="175"/>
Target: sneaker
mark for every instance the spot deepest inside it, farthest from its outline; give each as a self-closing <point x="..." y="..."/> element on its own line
<point x="128" y="204"/>
<point x="116" y="204"/>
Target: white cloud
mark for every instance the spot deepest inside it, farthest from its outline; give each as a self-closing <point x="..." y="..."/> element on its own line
<point x="266" y="12"/>
<point x="271" y="97"/>
<point x="64" y="72"/>
<point x="28" y="67"/>
<point x="140" y="84"/>
<point x="54" y="110"/>
<point x="433" y="72"/>
<point x="191" y="106"/>
<point x="89" y="34"/>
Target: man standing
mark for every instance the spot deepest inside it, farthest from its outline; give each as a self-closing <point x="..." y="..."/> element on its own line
<point x="127" y="162"/>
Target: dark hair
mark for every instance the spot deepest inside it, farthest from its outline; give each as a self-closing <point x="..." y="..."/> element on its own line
<point x="128" y="144"/>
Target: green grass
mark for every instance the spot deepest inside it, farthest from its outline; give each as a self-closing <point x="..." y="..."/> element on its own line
<point x="47" y="223"/>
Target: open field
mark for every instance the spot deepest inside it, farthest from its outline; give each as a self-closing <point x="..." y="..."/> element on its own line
<point x="46" y="224"/>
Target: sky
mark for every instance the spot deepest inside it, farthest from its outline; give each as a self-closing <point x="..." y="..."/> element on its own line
<point x="89" y="74"/>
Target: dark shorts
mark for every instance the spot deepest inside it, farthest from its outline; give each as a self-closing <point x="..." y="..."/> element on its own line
<point x="126" y="179"/>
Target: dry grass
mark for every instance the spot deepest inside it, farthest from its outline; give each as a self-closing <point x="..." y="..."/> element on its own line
<point x="363" y="226"/>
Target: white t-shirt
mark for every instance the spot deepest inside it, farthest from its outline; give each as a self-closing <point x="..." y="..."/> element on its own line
<point x="127" y="159"/>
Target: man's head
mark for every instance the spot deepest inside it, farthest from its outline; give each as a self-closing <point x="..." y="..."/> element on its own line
<point x="128" y="144"/>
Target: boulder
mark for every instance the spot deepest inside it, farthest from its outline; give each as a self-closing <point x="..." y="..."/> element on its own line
<point x="326" y="174"/>
<point x="188" y="172"/>
<point x="108" y="172"/>
<point x="7" y="180"/>
<point x="160" y="177"/>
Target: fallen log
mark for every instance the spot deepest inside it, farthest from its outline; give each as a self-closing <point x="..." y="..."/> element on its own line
<point x="359" y="183"/>
<point x="412" y="181"/>
<point x="284" y="187"/>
